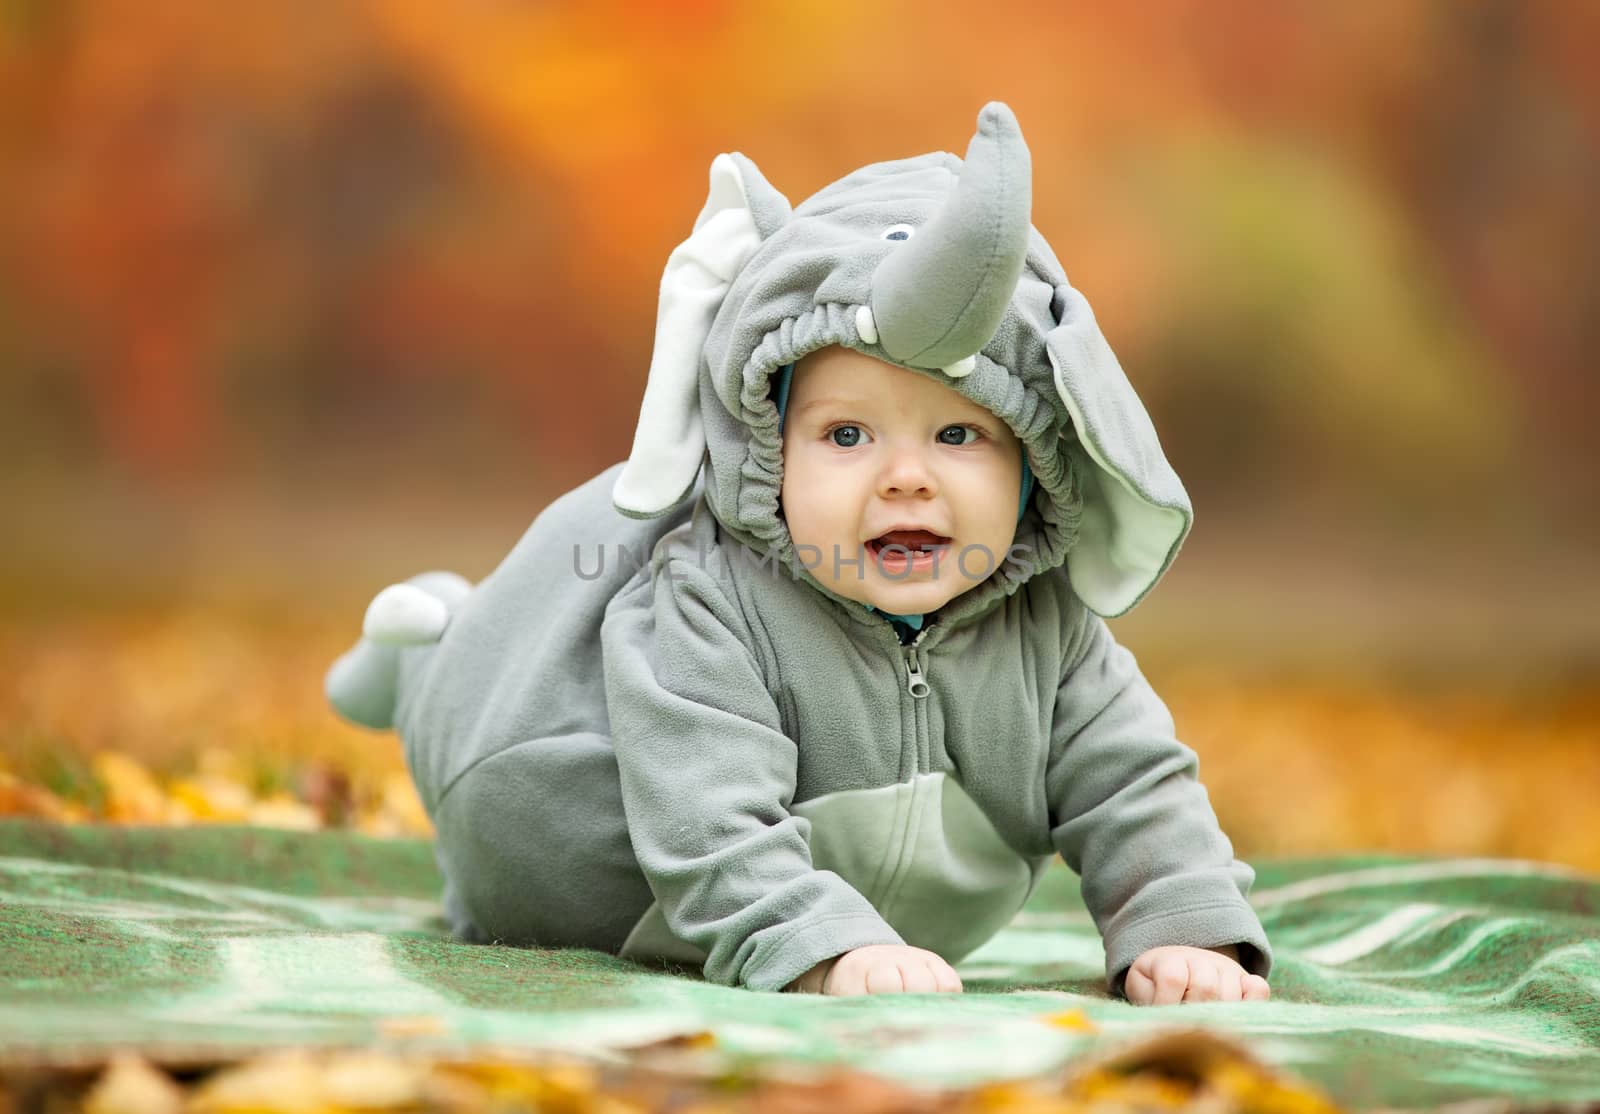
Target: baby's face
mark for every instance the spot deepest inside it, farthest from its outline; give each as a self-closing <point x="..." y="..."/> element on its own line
<point x="869" y="450"/>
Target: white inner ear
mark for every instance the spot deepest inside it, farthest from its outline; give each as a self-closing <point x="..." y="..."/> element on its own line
<point x="669" y="441"/>
<point x="1124" y="540"/>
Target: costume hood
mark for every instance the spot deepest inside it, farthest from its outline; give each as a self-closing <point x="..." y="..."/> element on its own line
<point x="929" y="263"/>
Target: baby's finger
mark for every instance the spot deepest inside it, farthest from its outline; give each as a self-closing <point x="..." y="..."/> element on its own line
<point x="1231" y="988"/>
<point x="1256" y="989"/>
<point x="948" y="981"/>
<point x="847" y="978"/>
<point x="917" y="977"/>
<point x="885" y="978"/>
<point x="1204" y="982"/>
<point x="1171" y="979"/>
<point x="1139" y="988"/>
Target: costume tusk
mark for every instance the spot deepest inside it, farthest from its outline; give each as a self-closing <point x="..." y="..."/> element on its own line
<point x="866" y="326"/>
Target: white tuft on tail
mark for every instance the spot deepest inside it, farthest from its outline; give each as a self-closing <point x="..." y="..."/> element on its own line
<point x="363" y="684"/>
<point x="405" y="615"/>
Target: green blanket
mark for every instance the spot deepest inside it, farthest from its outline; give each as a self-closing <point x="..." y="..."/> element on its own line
<point x="1399" y="981"/>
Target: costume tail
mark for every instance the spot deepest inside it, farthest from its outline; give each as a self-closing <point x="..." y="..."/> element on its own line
<point x="363" y="684"/>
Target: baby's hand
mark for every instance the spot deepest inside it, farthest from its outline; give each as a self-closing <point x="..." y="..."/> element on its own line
<point x="1176" y="973"/>
<point x="880" y="969"/>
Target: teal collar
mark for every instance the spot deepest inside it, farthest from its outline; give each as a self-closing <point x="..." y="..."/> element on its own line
<point x="912" y="621"/>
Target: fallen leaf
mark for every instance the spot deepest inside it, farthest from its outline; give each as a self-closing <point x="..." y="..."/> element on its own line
<point x="370" y="1081"/>
<point x="129" y="1085"/>
<point x="421" y="1025"/>
<point x="133" y="796"/>
<point x="19" y="798"/>
<point x="212" y="799"/>
<point x="281" y="1082"/>
<point x="282" y="811"/>
<point x="1075" y="1020"/>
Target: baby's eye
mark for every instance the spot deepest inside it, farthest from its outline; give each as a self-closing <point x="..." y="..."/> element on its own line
<point x="899" y="232"/>
<point x="960" y="432"/>
<point x="845" y="436"/>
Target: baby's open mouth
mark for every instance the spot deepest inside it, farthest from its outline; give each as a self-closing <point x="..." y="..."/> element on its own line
<point x="915" y="541"/>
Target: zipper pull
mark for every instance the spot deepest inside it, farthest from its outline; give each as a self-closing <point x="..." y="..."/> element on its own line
<point x="916" y="683"/>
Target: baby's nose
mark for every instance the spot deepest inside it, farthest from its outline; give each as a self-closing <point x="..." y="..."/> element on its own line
<point x="906" y="472"/>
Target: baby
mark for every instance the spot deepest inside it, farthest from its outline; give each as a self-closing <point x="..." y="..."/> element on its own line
<point x="811" y="690"/>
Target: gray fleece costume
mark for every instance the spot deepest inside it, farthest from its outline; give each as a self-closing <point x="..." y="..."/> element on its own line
<point x="655" y="733"/>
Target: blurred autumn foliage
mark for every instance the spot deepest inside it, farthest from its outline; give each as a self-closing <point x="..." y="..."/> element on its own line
<point x="215" y="715"/>
<point x="297" y="299"/>
<point x="1331" y="242"/>
<point x="1178" y="1070"/>
<point x="190" y="717"/>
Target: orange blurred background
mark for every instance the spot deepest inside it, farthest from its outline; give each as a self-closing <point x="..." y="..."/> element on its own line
<point x="298" y="299"/>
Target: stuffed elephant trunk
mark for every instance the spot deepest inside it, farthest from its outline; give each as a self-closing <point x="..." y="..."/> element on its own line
<point x="940" y="297"/>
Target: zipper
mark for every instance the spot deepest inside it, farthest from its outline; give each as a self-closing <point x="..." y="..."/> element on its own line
<point x="913" y="760"/>
<point x="916" y="681"/>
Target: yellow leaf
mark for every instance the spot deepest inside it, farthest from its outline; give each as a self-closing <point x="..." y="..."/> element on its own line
<point x="213" y="799"/>
<point x="1075" y="1020"/>
<point x="422" y="1025"/>
<point x="282" y="1082"/>
<point x="129" y="1085"/>
<point x="370" y="1081"/>
<point x="282" y="811"/>
<point x="132" y="795"/>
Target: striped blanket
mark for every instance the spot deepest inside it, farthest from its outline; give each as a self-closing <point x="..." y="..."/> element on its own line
<point x="1400" y="982"/>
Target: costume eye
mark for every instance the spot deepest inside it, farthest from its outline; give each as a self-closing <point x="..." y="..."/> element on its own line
<point x="899" y="232"/>
<point x="960" y="431"/>
<point x="845" y="436"/>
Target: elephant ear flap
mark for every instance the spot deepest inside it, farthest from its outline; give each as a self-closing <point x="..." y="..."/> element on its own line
<point x="669" y="443"/>
<point x="1135" y="510"/>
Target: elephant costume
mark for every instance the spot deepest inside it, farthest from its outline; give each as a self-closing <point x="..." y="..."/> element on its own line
<point x="652" y="731"/>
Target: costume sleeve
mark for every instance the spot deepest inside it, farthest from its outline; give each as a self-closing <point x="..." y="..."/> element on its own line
<point x="707" y="777"/>
<point x="1130" y="816"/>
